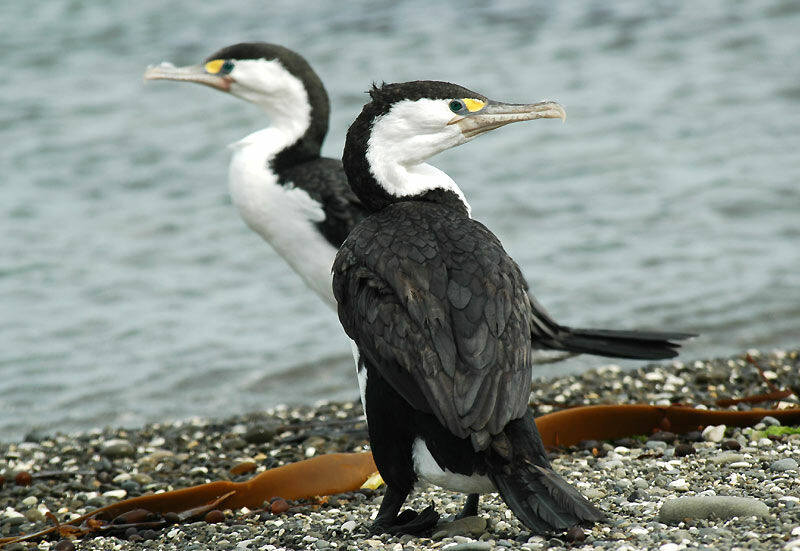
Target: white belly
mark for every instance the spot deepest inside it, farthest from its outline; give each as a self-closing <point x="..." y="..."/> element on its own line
<point x="429" y="470"/>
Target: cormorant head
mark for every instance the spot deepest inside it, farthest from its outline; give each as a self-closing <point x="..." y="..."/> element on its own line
<point x="407" y="123"/>
<point x="277" y="79"/>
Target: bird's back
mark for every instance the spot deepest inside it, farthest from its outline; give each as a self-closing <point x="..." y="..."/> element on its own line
<point x="436" y="301"/>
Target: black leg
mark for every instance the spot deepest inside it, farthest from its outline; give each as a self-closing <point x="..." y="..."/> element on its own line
<point x="389" y="521"/>
<point x="470" y="507"/>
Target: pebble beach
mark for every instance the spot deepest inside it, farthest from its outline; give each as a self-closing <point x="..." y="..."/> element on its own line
<point x="719" y="488"/>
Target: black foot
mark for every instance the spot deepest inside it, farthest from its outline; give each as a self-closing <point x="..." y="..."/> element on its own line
<point x="408" y="522"/>
<point x="470" y="507"/>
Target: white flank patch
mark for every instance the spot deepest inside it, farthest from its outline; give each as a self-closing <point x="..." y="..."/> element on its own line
<point x="284" y="215"/>
<point x="361" y="373"/>
<point x="428" y="469"/>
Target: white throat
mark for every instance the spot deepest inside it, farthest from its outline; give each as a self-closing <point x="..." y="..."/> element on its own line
<point x="398" y="148"/>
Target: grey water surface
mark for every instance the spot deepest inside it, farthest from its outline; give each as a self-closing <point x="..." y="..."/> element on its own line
<point x="130" y="291"/>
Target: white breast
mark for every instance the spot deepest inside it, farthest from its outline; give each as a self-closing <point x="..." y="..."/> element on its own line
<point x="428" y="469"/>
<point x="284" y="215"/>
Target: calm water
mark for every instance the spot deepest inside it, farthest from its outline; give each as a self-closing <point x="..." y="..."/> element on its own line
<point x="130" y="290"/>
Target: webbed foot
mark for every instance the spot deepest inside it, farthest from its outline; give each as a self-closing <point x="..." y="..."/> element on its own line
<point x="407" y="522"/>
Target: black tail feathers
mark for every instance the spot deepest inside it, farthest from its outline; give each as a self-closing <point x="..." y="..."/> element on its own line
<point x="635" y="345"/>
<point x="540" y="498"/>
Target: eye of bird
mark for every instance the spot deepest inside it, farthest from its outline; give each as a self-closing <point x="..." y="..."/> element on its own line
<point x="457" y="105"/>
<point x="219" y="66"/>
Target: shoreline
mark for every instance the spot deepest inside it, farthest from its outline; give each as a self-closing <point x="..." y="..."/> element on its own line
<point x="630" y="479"/>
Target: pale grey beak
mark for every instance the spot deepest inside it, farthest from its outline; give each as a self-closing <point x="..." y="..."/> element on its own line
<point x="496" y="114"/>
<point x="194" y="73"/>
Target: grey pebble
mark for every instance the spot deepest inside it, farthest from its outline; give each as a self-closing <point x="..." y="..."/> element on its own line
<point x="657" y="445"/>
<point x="118" y="447"/>
<point x="785" y="464"/>
<point x="771" y="421"/>
<point x="724" y="507"/>
<point x="727" y="457"/>
<point x="471" y="546"/>
<point x="467" y="526"/>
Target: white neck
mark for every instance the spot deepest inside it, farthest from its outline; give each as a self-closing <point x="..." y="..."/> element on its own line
<point x="400" y="143"/>
<point x="277" y="92"/>
<point x="414" y="179"/>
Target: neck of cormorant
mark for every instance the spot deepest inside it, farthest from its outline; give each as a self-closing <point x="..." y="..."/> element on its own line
<point x="373" y="170"/>
<point x="299" y="126"/>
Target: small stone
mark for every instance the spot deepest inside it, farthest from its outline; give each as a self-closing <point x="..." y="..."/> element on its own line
<point x="638" y="495"/>
<point x="34" y="515"/>
<point x="682" y="450"/>
<point x="23" y="478"/>
<point x="13" y="519"/>
<point x="713" y="433"/>
<point x="279" y="506"/>
<point x="771" y="421"/>
<point x="471" y="546"/>
<point x="678" y="509"/>
<point x="663" y="436"/>
<point x="130" y="486"/>
<point x="656" y="445"/>
<point x="669" y="547"/>
<point x="727" y="457"/>
<point x="118" y="447"/>
<point x="785" y="464"/>
<point x="467" y="526"/>
<point x="214" y="516"/>
<point x="259" y="435"/>
<point x="116" y="494"/>
<point x="593" y="493"/>
<point x="680" y="485"/>
<point x="30" y="501"/>
<point x="64" y="545"/>
<point x="693" y="436"/>
<point x="348" y="526"/>
<point x="730" y="445"/>
<point x="739" y="465"/>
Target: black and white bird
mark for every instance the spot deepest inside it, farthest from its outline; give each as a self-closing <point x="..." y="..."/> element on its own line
<point x="285" y="191"/>
<point x="300" y="202"/>
<point x="440" y="316"/>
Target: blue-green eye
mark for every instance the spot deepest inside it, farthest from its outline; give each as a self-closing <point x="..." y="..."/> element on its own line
<point x="456" y="106"/>
<point x="227" y="67"/>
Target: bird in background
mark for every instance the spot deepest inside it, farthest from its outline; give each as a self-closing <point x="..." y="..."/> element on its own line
<point x="300" y="202"/>
<point x="440" y="316"/>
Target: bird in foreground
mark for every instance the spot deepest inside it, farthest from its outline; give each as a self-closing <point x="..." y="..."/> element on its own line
<point x="440" y="316"/>
<point x="300" y="202"/>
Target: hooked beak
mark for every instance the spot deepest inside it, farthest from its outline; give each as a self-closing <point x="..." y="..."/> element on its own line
<point x="194" y="73"/>
<point x="496" y="114"/>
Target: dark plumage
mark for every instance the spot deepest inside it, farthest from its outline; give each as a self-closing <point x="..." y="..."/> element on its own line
<point x="442" y="321"/>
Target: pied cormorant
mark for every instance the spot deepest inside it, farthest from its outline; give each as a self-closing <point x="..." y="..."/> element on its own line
<point x="301" y="203"/>
<point x="298" y="201"/>
<point x="440" y="316"/>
